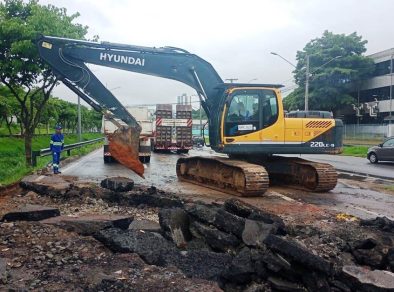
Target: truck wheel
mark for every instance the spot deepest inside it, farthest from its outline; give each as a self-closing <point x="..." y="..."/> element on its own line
<point x="107" y="159"/>
<point x="145" y="159"/>
<point x="182" y="151"/>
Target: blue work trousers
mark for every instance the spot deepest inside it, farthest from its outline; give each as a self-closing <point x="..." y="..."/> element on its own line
<point x="55" y="161"/>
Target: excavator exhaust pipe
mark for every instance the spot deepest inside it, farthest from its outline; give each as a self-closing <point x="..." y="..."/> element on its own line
<point x="124" y="147"/>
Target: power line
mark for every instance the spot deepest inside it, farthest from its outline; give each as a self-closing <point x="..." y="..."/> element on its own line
<point x="154" y="104"/>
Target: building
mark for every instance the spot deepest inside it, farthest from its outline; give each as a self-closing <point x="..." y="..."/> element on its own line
<point x="374" y="97"/>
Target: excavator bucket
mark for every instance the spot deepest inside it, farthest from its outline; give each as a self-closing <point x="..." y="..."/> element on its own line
<point x="124" y="147"/>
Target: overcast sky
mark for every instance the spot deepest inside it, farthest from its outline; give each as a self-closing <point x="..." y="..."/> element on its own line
<point x="235" y="36"/>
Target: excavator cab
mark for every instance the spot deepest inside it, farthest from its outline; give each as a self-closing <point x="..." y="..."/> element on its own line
<point x="253" y="122"/>
<point x="249" y="111"/>
<point x="252" y="115"/>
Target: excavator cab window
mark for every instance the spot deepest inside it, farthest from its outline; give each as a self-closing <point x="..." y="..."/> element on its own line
<point x="249" y="111"/>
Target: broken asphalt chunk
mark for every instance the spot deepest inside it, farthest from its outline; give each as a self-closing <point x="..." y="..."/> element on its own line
<point x="145" y="225"/>
<point x="89" y="224"/>
<point x="118" y="184"/>
<point x="150" y="246"/>
<point x="30" y="212"/>
<point x="175" y="224"/>
<point x="297" y="253"/>
<point x="215" y="238"/>
<point x="47" y="185"/>
<point x="376" y="280"/>
<point x="256" y="232"/>
<point x="383" y="223"/>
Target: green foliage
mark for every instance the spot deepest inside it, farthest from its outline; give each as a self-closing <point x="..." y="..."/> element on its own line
<point x="358" y="151"/>
<point x="22" y="71"/>
<point x="294" y="101"/>
<point x="8" y="108"/>
<point x="331" y="77"/>
<point x="20" y="24"/>
<point x="53" y="112"/>
<point x="66" y="114"/>
<point x="196" y="114"/>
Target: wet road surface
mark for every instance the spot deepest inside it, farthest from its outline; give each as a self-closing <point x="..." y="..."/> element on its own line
<point x="354" y="164"/>
<point x="348" y="197"/>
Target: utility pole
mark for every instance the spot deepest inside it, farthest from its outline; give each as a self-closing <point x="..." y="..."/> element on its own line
<point x="200" y="120"/>
<point x="79" y="120"/>
<point x="358" y="106"/>
<point x="307" y="83"/>
<point x="391" y="91"/>
<point x="232" y="79"/>
<point x="307" y="73"/>
<point x="254" y="79"/>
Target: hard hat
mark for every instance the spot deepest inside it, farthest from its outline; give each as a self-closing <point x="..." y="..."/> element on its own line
<point x="58" y="127"/>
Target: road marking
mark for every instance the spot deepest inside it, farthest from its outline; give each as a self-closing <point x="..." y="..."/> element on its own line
<point x="372" y="213"/>
<point x="286" y="198"/>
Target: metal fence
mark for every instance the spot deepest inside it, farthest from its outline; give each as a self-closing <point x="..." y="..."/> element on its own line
<point x="68" y="148"/>
<point x="367" y="132"/>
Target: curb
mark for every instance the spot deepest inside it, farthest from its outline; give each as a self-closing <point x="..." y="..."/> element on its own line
<point x="367" y="175"/>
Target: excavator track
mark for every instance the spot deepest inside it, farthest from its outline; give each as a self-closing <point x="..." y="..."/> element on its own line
<point x="300" y="173"/>
<point x="235" y="177"/>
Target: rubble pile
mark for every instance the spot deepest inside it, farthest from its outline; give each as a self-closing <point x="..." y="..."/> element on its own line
<point x="42" y="257"/>
<point x="233" y="245"/>
<point x="254" y="247"/>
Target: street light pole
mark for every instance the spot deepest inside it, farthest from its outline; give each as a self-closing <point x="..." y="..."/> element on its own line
<point x="276" y="54"/>
<point x="391" y="90"/>
<point x="79" y="120"/>
<point x="200" y="121"/>
<point x="232" y="79"/>
<point x="307" y="83"/>
<point x="254" y="79"/>
<point x="307" y="73"/>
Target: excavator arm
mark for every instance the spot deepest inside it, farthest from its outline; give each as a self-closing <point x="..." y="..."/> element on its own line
<point x="68" y="58"/>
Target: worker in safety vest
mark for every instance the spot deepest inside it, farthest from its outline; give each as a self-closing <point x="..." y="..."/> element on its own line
<point x="56" y="145"/>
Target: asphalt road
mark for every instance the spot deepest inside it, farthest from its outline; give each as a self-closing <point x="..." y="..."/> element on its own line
<point x="351" y="197"/>
<point x="355" y="164"/>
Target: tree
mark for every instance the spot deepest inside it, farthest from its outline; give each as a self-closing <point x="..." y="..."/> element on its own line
<point x="21" y="70"/>
<point x="8" y="108"/>
<point x="196" y="114"/>
<point x="337" y="64"/>
<point x="91" y="119"/>
<point x="49" y="115"/>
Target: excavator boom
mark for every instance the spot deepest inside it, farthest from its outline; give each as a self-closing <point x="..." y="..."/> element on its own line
<point x="68" y="59"/>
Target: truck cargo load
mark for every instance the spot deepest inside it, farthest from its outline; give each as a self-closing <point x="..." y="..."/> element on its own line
<point x="173" y="130"/>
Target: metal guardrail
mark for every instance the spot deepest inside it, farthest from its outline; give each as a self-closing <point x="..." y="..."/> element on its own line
<point x="68" y="148"/>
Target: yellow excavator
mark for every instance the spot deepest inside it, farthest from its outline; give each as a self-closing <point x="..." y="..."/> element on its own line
<point x="246" y="121"/>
